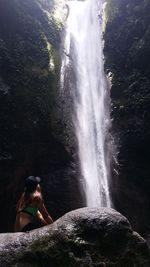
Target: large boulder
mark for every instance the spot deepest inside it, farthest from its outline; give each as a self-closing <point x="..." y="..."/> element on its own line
<point x="85" y="237"/>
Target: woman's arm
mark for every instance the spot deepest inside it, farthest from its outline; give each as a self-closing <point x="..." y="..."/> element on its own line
<point x="46" y="216"/>
<point x="40" y="219"/>
<point x="18" y="208"/>
<point x="17" y="223"/>
<point x="20" y="202"/>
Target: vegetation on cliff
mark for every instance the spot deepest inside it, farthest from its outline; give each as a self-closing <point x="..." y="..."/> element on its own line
<point x="127" y="50"/>
<point x="28" y="83"/>
<point x="30" y="39"/>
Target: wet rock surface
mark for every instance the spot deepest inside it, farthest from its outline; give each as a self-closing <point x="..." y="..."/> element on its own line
<point x="31" y="130"/>
<point x="127" y="62"/>
<point x="85" y="237"/>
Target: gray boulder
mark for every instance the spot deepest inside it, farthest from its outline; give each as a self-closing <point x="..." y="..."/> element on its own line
<point x="87" y="237"/>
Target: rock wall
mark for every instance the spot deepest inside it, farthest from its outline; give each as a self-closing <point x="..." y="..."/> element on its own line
<point x="31" y="129"/>
<point x="127" y="50"/>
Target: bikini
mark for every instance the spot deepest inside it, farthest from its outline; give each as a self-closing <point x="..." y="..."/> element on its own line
<point x="31" y="211"/>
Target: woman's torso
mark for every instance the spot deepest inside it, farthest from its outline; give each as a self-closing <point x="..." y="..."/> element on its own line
<point x="28" y="211"/>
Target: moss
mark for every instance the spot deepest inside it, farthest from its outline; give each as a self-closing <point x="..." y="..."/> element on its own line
<point x="112" y="9"/>
<point x="29" y="75"/>
<point x="127" y="50"/>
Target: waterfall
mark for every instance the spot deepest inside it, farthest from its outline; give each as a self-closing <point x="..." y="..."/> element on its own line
<point x="83" y="52"/>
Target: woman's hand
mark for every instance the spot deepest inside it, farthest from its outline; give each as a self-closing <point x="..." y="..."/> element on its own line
<point x="46" y="216"/>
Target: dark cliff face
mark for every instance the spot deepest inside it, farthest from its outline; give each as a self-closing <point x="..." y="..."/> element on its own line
<point x="29" y="75"/>
<point x="127" y="51"/>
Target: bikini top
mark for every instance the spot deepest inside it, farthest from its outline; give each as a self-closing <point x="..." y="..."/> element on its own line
<point x="30" y="210"/>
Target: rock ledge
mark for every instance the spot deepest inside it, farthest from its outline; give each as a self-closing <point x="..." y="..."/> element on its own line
<point x="86" y="237"/>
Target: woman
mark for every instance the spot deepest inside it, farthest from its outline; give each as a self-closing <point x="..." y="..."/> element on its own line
<point x="31" y="208"/>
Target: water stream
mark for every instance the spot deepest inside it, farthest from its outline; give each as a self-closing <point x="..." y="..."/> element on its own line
<point x="83" y="51"/>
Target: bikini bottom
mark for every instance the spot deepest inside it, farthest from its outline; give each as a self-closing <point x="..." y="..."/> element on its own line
<point x="28" y="227"/>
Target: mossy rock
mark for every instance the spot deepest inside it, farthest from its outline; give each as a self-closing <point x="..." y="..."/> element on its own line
<point x="84" y="237"/>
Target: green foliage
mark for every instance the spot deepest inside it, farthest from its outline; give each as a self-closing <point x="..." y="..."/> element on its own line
<point x="24" y="69"/>
<point x="127" y="50"/>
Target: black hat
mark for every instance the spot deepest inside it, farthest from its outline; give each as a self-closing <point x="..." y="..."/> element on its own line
<point x="31" y="183"/>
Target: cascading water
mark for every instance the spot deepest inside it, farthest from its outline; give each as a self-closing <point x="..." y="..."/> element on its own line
<point x="83" y="52"/>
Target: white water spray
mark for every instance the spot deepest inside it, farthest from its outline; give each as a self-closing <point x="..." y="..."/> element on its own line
<point x="83" y="51"/>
